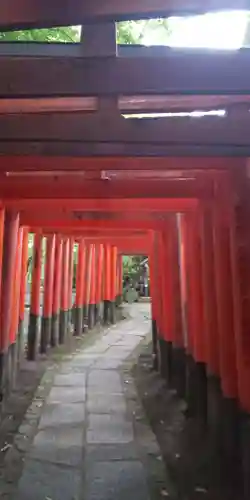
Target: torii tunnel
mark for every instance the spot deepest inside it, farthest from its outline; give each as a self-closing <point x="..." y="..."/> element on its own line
<point x="76" y="171"/>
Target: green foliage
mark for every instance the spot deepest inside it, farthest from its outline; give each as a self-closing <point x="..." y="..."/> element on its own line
<point x="129" y="32"/>
<point x="132" y="265"/>
<point x="64" y="35"/>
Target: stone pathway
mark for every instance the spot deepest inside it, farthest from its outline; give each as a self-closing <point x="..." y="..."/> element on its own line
<point x="87" y="445"/>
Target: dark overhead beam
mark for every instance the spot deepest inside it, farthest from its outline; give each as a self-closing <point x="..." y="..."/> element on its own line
<point x="94" y="165"/>
<point x="21" y="14"/>
<point x="180" y="72"/>
<point x="110" y="127"/>
<point x="99" y="150"/>
<point x="51" y="188"/>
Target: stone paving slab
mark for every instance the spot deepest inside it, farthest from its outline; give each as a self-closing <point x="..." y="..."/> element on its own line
<point x="66" y="395"/>
<point x="106" y="403"/>
<point x="59" y="445"/>
<point x="109" y="452"/>
<point x="59" y="414"/>
<point x="107" y="363"/>
<point x="41" y="481"/>
<point x="121" y="480"/>
<point x="108" y="429"/>
<point x="110" y="380"/>
<point x="70" y="379"/>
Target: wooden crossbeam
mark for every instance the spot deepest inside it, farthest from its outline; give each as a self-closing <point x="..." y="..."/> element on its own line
<point x="75" y="188"/>
<point x="105" y="205"/>
<point x="112" y="128"/>
<point x="179" y="72"/>
<point x="20" y="14"/>
<point x="91" y="165"/>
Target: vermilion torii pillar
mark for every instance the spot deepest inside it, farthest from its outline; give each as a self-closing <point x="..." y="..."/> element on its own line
<point x="35" y="297"/>
<point x="15" y="308"/>
<point x="57" y="283"/>
<point x="10" y="240"/>
<point x="196" y="360"/>
<point x="48" y="294"/>
<point x="23" y="284"/>
<point x="63" y="330"/>
<point x="113" y="284"/>
<point x="71" y="272"/>
<point x="92" y="290"/>
<point x="80" y="285"/>
<point x="99" y="279"/>
<point x="107" y="284"/>
<point x="87" y="287"/>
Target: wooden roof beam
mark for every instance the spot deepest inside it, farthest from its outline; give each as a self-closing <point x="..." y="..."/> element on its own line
<point x="179" y="72"/>
<point x="21" y="14"/>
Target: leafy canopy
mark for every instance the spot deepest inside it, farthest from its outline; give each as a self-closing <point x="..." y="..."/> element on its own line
<point x="129" y="32"/>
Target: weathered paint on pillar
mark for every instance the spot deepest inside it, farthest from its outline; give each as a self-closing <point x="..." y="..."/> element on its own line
<point x="23" y="285"/>
<point x="209" y="292"/>
<point x="113" y="284"/>
<point x="71" y="272"/>
<point x="11" y="226"/>
<point x="2" y="340"/>
<point x="57" y="283"/>
<point x="196" y="363"/>
<point x="15" y="308"/>
<point x="119" y="280"/>
<point x="80" y="283"/>
<point x="107" y="284"/>
<point x="48" y="294"/>
<point x="64" y="293"/>
<point x="35" y="297"/>
<point x="99" y="279"/>
<point x="87" y="285"/>
<point x="92" y="292"/>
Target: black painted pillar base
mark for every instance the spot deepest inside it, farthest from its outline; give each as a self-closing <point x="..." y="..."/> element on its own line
<point x="85" y="318"/>
<point x="165" y="348"/>
<point x="91" y="316"/>
<point x="20" y="341"/>
<point x="112" y="309"/>
<point x="230" y="439"/>
<point x="32" y="336"/>
<point x="63" y="326"/>
<point x="97" y="313"/>
<point x="55" y="326"/>
<point x="106" y="312"/>
<point x="154" y="345"/>
<point x="2" y="360"/>
<point x="78" y="321"/>
<point x="12" y="366"/>
<point x="45" y="334"/>
<point x="245" y="453"/>
<point x="119" y="300"/>
<point x="196" y="390"/>
<point x="179" y="370"/>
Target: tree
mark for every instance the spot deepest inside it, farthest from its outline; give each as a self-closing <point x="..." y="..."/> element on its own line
<point x="128" y="33"/>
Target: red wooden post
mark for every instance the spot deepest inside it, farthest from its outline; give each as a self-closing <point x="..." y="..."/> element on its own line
<point x="80" y="282"/>
<point x="64" y="293"/>
<point x="87" y="287"/>
<point x="107" y="284"/>
<point x="209" y="292"/>
<point x="11" y="227"/>
<point x="120" y="280"/>
<point x="92" y="292"/>
<point x="196" y="378"/>
<point x="35" y="297"/>
<point x="154" y="299"/>
<point x="23" y="286"/>
<point x="71" y="272"/>
<point x="48" y="294"/>
<point x="2" y="340"/>
<point x="113" y="288"/>
<point x="15" y="307"/>
<point x="57" y="283"/>
<point x="99" y="279"/>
